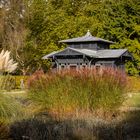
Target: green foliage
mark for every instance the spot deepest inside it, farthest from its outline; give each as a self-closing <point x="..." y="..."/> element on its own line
<point x="121" y="25"/>
<point x="7" y="82"/>
<point x="82" y="90"/>
<point x="44" y="23"/>
<point x="18" y="81"/>
<point x="133" y="47"/>
<point x="52" y="21"/>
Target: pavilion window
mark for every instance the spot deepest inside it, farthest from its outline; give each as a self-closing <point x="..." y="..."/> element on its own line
<point x="62" y="66"/>
<point x="98" y="67"/>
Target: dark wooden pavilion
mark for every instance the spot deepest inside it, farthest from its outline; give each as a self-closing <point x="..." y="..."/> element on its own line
<point x="88" y="51"/>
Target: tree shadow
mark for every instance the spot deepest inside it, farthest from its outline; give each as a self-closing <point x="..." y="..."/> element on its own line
<point x="49" y="128"/>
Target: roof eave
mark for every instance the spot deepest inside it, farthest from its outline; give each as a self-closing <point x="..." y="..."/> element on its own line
<point x="44" y="57"/>
<point x="65" y="41"/>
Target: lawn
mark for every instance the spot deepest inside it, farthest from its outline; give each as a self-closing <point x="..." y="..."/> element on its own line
<point x="133" y="100"/>
<point x="134" y="84"/>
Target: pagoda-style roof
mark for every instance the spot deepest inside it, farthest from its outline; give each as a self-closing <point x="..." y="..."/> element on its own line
<point x="86" y="38"/>
<point x="107" y="53"/>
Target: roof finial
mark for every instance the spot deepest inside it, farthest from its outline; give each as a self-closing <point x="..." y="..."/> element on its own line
<point x="88" y="33"/>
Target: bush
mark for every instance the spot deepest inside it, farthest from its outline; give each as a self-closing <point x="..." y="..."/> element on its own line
<point x="7" y="82"/>
<point x="18" y="81"/>
<point x="67" y="91"/>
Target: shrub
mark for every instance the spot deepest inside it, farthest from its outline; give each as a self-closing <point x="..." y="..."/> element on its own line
<point x="7" y="82"/>
<point x="70" y="90"/>
<point x="18" y="81"/>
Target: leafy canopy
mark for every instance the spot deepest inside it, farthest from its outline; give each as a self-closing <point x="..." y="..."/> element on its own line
<point x="45" y="22"/>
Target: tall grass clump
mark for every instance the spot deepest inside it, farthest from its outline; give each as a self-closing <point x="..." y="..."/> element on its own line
<point x="10" y="109"/>
<point x="83" y="90"/>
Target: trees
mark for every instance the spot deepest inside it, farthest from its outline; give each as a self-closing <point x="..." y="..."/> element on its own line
<point x="122" y="25"/>
<point x="13" y="31"/>
<point x="32" y="28"/>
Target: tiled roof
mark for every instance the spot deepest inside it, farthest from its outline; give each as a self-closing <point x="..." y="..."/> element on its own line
<point x="87" y="38"/>
<point x="107" y="53"/>
<point x="111" y="53"/>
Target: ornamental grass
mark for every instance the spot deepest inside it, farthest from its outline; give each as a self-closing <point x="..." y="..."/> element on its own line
<point x="10" y="109"/>
<point x="7" y="64"/>
<point x="69" y="91"/>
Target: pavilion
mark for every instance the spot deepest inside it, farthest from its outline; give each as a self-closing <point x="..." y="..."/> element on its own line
<point x="88" y="51"/>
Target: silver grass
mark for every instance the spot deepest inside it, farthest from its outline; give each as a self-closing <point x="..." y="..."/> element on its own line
<point x="7" y="64"/>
